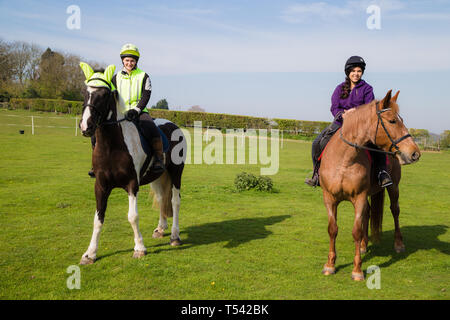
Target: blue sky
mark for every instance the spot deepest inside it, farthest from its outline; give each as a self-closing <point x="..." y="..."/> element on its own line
<point x="257" y="57"/>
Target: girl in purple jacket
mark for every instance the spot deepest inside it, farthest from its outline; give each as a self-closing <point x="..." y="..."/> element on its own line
<point x="350" y="94"/>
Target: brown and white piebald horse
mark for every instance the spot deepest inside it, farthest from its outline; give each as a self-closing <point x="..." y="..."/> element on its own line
<point x="346" y="173"/>
<point x="119" y="161"/>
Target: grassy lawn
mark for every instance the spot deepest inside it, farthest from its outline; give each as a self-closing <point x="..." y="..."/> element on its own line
<point x="248" y="245"/>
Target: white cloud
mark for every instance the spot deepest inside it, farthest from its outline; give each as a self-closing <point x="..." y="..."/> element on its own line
<point x="422" y="16"/>
<point x="326" y="12"/>
<point x="302" y="13"/>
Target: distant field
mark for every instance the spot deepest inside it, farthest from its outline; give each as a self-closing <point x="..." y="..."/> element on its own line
<point x="248" y="245"/>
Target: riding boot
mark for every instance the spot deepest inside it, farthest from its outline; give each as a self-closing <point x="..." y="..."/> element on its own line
<point x="158" y="163"/>
<point x="314" y="181"/>
<point x="384" y="179"/>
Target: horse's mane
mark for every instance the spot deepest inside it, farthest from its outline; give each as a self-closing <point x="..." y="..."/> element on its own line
<point x="360" y="119"/>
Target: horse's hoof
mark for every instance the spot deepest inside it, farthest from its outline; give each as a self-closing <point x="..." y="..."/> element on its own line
<point x="358" y="276"/>
<point x="175" y="242"/>
<point x="86" y="260"/>
<point x="363" y="251"/>
<point x="399" y="249"/>
<point x="157" y="234"/>
<point x="139" y="254"/>
<point x="328" y="271"/>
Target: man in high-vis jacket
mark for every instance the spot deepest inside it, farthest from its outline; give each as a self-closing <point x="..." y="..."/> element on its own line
<point x="134" y="87"/>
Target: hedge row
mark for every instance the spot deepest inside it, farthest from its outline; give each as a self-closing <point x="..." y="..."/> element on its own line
<point x="49" y="105"/>
<point x="227" y="121"/>
<point x="185" y="118"/>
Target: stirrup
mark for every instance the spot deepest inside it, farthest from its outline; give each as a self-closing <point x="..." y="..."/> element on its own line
<point x="387" y="181"/>
<point x="312" y="182"/>
<point x="91" y="173"/>
<point x="158" y="164"/>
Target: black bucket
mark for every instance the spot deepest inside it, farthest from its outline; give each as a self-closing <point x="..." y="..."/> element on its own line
<point x="22" y="131"/>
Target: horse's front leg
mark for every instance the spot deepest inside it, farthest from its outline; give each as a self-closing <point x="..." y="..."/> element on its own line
<point x="365" y="222"/>
<point x="331" y="205"/>
<point x="133" y="218"/>
<point x="395" y="210"/>
<point x="101" y="195"/>
<point x="360" y="205"/>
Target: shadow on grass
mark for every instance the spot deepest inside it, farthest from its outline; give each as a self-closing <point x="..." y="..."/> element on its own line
<point x="234" y="232"/>
<point x="415" y="238"/>
<point x="131" y="250"/>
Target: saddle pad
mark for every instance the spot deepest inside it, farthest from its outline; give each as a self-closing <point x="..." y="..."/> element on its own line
<point x="165" y="141"/>
<point x="159" y="122"/>
<point x="145" y="143"/>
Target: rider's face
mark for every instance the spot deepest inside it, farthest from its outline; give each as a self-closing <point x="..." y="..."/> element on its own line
<point x="356" y="74"/>
<point x="129" y="63"/>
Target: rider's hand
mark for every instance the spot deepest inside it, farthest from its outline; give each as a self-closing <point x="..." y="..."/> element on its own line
<point x="131" y="115"/>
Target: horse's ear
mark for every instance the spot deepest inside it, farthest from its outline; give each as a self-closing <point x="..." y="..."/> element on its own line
<point x="387" y="100"/>
<point x="109" y="72"/>
<point x="87" y="70"/>
<point x="394" y="98"/>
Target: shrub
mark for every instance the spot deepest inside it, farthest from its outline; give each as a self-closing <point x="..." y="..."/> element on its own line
<point x="246" y="181"/>
<point x="264" y="184"/>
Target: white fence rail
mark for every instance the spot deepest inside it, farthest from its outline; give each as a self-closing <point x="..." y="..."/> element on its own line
<point x="32" y="123"/>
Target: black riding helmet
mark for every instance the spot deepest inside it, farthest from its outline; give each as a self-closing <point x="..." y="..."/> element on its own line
<point x="352" y="62"/>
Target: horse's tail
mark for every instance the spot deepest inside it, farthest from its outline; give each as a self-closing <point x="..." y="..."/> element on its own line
<point x="376" y="215"/>
<point x="165" y="205"/>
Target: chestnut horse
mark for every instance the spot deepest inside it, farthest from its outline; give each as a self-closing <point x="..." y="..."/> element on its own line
<point x="346" y="173"/>
<point x="119" y="161"/>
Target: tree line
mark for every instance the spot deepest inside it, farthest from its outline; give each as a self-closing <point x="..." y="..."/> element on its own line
<point x="29" y="71"/>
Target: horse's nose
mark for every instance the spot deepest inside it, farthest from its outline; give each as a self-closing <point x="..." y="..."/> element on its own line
<point x="415" y="156"/>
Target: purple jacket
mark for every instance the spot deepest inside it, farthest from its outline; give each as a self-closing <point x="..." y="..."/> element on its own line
<point x="361" y="94"/>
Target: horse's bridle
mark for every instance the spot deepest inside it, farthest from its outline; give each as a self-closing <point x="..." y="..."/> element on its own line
<point x="380" y="120"/>
<point x="100" y="120"/>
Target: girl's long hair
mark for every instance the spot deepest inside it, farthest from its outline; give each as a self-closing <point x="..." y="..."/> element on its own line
<point x="346" y="88"/>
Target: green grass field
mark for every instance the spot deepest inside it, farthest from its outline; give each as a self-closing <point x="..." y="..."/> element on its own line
<point x="248" y="245"/>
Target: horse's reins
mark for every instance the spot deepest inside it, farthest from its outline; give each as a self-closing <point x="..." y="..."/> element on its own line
<point x="380" y="120"/>
<point x="95" y="108"/>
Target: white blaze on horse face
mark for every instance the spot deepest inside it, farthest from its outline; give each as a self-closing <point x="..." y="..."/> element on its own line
<point x="85" y="118"/>
<point x="87" y="110"/>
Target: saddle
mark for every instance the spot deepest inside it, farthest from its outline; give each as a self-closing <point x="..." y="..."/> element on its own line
<point x="146" y="145"/>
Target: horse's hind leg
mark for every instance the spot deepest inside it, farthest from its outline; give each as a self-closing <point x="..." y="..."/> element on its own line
<point x="157" y="188"/>
<point x="175" y="235"/>
<point x="395" y="209"/>
<point x="101" y="196"/>
<point x="331" y="205"/>
<point x="133" y="218"/>
<point x="175" y="172"/>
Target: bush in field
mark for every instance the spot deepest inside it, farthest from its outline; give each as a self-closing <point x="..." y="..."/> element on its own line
<point x="246" y="181"/>
<point x="264" y="184"/>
